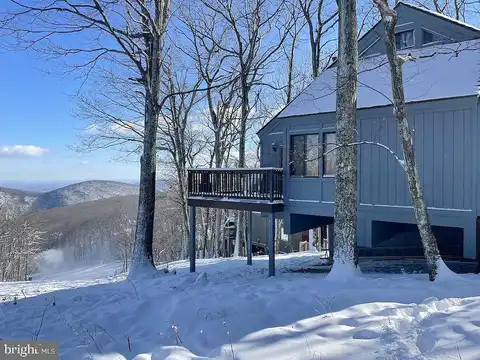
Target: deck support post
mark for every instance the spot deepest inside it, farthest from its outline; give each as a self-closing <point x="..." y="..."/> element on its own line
<point x="249" y="238"/>
<point x="271" y="244"/>
<point x="192" y="246"/>
<point x="330" y="235"/>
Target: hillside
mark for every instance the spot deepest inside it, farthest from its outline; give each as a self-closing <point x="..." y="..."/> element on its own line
<point x="228" y="310"/>
<point x="83" y="216"/>
<point x="17" y="201"/>
<point x="83" y="192"/>
<point x="21" y="202"/>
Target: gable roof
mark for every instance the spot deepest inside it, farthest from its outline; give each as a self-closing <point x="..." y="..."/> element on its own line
<point x="439" y="72"/>
<point x="434" y="13"/>
<point x="426" y="11"/>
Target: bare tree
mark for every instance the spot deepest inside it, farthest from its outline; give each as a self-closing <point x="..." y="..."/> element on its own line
<point x="430" y="248"/>
<point x="129" y="34"/>
<point x="345" y="212"/>
<point x="122" y="236"/>
<point x="321" y="18"/>
<point x="454" y="8"/>
<point x="177" y="136"/>
<point x="20" y="241"/>
<point x="222" y="114"/>
<point x="247" y="24"/>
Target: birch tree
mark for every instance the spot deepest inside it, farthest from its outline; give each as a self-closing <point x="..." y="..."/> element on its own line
<point x="429" y="243"/>
<point x="345" y="212"/>
<point x="126" y="34"/>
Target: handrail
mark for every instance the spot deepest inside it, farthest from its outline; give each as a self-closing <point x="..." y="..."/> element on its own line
<point x="239" y="183"/>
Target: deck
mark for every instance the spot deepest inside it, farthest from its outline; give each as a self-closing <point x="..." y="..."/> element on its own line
<point x="249" y="189"/>
<point x="246" y="189"/>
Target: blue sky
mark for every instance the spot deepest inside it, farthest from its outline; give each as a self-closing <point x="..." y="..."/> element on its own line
<point x="37" y="126"/>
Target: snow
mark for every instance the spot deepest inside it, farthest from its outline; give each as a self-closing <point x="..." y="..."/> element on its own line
<point x="228" y="310"/>
<point x="421" y="79"/>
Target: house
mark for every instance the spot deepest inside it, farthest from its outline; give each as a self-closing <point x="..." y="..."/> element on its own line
<point x="441" y="89"/>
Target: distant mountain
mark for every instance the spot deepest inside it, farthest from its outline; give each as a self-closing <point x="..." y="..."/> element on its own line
<point x="20" y="201"/>
<point x="71" y="220"/>
<point x="83" y="192"/>
<point x="37" y="186"/>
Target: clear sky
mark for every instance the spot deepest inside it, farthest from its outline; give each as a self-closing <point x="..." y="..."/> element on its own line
<point x="37" y="126"/>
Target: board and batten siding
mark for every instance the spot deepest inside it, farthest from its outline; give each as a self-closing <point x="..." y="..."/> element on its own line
<point x="444" y="136"/>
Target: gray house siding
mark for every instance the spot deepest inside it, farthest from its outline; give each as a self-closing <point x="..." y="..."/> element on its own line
<point x="410" y="18"/>
<point x="443" y="112"/>
<point x="445" y="138"/>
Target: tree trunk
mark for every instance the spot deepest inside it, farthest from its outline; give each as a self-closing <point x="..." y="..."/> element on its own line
<point x="429" y="243"/>
<point x="345" y="214"/>
<point x="143" y="246"/>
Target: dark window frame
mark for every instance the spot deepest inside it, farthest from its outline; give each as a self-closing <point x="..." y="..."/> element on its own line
<point x="324" y="157"/>
<point x="304" y="152"/>
<point x="412" y="31"/>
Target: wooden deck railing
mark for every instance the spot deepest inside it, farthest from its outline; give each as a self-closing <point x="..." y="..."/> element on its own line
<point x="243" y="183"/>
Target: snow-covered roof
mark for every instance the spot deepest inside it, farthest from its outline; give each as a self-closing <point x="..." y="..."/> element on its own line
<point x="436" y="72"/>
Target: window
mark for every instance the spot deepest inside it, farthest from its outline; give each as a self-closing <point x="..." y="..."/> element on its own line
<point x="304" y="155"/>
<point x="404" y="39"/>
<point x="329" y="159"/>
<point x="427" y="37"/>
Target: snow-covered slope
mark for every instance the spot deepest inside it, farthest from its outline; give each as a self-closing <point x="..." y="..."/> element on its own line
<point x="16" y="202"/>
<point x="24" y="201"/>
<point x="228" y="310"/>
<point x="83" y="192"/>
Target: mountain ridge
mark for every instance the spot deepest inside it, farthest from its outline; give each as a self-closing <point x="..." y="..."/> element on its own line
<point x="21" y="201"/>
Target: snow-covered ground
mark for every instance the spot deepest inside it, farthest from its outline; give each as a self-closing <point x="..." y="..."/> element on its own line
<point x="228" y="310"/>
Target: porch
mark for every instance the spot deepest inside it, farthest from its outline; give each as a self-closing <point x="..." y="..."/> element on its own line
<point x="243" y="189"/>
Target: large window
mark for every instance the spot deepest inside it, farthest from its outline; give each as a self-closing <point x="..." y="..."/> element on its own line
<point x="404" y="39"/>
<point x="330" y="157"/>
<point x="304" y="155"/>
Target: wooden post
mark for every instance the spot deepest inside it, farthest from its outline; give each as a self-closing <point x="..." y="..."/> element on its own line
<point x="249" y="239"/>
<point x="330" y="240"/>
<point x="271" y="244"/>
<point x="192" y="248"/>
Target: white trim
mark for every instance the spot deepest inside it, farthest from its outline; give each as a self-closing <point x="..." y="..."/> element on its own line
<point x="411" y="207"/>
<point x="306" y="131"/>
<point x="328" y="202"/>
<point x="405" y="24"/>
<point x="276" y="133"/>
<point x="307" y="201"/>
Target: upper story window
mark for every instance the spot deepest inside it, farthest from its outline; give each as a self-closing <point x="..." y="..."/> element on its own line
<point x="427" y="37"/>
<point x="404" y="39"/>
<point x="330" y="157"/>
<point x="304" y="155"/>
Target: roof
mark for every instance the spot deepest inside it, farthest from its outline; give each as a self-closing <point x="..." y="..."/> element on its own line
<point x="438" y="72"/>
<point x="434" y="13"/>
